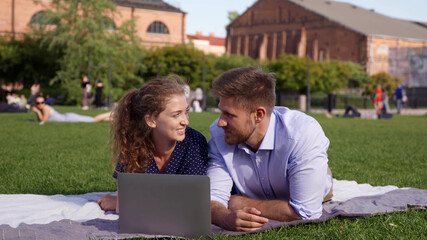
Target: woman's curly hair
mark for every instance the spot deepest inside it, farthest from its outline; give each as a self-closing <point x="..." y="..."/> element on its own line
<point x="132" y="145"/>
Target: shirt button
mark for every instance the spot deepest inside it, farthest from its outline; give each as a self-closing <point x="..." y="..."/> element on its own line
<point x="262" y="179"/>
<point x="268" y="193"/>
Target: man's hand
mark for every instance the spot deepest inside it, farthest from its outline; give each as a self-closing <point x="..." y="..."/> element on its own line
<point x="246" y="219"/>
<point x="278" y="209"/>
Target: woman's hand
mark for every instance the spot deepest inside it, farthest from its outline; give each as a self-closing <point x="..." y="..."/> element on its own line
<point x="35" y="109"/>
<point x="108" y="203"/>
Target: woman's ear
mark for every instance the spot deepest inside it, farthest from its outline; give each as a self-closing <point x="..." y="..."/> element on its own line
<point x="150" y="121"/>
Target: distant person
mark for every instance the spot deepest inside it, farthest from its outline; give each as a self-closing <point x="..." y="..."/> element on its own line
<point x="6" y="108"/>
<point x="22" y="101"/>
<point x="50" y="100"/>
<point x="151" y="134"/>
<point x="187" y="92"/>
<point x="384" y="98"/>
<point x="198" y="96"/>
<point x="351" y="112"/>
<point x="332" y="97"/>
<point x="85" y="93"/>
<point x="35" y="91"/>
<point x="398" y="98"/>
<point x="378" y="101"/>
<point x="98" y="93"/>
<point x="12" y="99"/>
<point x="404" y="99"/>
<point x="46" y="113"/>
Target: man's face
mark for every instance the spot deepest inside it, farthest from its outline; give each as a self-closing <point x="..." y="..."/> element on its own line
<point x="237" y="123"/>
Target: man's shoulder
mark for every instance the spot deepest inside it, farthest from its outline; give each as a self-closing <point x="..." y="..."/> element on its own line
<point x="292" y="117"/>
<point x="293" y="122"/>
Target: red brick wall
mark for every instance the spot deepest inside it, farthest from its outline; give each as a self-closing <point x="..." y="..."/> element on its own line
<point x="283" y="21"/>
<point x="175" y="22"/>
<point x="24" y="10"/>
<point x="287" y="25"/>
<point x="378" y="56"/>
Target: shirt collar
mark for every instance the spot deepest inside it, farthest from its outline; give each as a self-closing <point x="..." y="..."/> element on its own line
<point x="268" y="141"/>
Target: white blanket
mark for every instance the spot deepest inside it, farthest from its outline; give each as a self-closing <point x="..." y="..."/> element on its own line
<point x="41" y="209"/>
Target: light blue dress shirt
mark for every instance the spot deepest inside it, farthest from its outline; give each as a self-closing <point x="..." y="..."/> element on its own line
<point x="291" y="163"/>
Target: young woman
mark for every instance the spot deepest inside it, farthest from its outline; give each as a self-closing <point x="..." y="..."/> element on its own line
<point x="150" y="134"/>
<point x="46" y="113"/>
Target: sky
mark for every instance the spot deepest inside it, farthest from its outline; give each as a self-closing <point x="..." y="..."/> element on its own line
<point x="211" y="16"/>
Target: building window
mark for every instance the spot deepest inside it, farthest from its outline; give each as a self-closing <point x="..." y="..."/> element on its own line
<point x="382" y="49"/>
<point x="41" y="17"/>
<point x="158" y="27"/>
<point x="109" y="24"/>
<point x="321" y="55"/>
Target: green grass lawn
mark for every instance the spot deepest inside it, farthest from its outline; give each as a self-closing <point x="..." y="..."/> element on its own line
<point x="73" y="158"/>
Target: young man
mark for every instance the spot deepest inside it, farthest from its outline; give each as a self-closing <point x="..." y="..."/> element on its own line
<point x="275" y="157"/>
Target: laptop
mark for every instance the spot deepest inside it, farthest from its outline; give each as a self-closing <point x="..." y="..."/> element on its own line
<point x="164" y="204"/>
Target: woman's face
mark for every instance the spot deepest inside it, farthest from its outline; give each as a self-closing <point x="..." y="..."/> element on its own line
<point x="171" y="122"/>
<point x="40" y="103"/>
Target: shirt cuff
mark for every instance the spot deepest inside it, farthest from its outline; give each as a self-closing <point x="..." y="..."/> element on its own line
<point x="222" y="201"/>
<point x="304" y="213"/>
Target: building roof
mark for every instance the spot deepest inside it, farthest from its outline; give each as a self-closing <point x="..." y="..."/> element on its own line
<point x="148" y="4"/>
<point x="214" y="41"/>
<point x="367" y="22"/>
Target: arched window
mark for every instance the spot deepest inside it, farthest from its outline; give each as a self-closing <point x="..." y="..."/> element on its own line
<point x="382" y="49"/>
<point x="158" y="27"/>
<point x="109" y="24"/>
<point x="42" y="18"/>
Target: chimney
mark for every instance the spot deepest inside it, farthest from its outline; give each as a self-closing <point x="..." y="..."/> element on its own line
<point x="199" y="34"/>
<point x="212" y="35"/>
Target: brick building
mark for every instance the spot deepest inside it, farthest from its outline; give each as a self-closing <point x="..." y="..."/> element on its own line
<point x="157" y="23"/>
<point x="330" y="30"/>
<point x="208" y="44"/>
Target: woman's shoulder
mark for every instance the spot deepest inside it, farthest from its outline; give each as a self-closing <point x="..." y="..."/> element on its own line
<point x="193" y="137"/>
<point x="48" y="109"/>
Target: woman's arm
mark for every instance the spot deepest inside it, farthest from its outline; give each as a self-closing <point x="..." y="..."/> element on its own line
<point x="109" y="202"/>
<point x="38" y="113"/>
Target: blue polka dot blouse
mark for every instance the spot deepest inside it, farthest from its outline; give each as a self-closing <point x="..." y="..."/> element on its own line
<point x="190" y="157"/>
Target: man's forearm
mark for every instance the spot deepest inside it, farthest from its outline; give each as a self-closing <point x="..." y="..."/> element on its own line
<point x="218" y="213"/>
<point x="279" y="210"/>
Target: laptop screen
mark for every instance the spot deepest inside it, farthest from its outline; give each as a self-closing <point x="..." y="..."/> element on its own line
<point x="163" y="204"/>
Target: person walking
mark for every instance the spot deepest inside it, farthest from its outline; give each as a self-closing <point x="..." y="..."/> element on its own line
<point x="398" y="98"/>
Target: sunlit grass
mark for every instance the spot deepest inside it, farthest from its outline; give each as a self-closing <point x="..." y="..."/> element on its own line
<point x="73" y="158"/>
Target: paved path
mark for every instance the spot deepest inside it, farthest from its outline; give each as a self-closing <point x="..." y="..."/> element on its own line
<point x="407" y="111"/>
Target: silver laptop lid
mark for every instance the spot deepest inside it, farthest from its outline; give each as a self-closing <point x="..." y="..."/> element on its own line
<point x="163" y="204"/>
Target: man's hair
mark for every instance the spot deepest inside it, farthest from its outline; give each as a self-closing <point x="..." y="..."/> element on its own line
<point x="248" y="86"/>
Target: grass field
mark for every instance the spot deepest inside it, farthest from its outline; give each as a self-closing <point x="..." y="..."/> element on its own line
<point x="73" y="158"/>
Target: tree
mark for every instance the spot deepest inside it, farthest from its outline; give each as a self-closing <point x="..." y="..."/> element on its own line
<point x="225" y="63"/>
<point x="381" y="79"/>
<point x="290" y="72"/>
<point x="91" y="44"/>
<point x="26" y="61"/>
<point x="184" y="60"/>
<point x="232" y="15"/>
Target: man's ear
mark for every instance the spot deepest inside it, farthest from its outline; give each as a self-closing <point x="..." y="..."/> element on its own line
<point x="150" y="121"/>
<point x="260" y="113"/>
